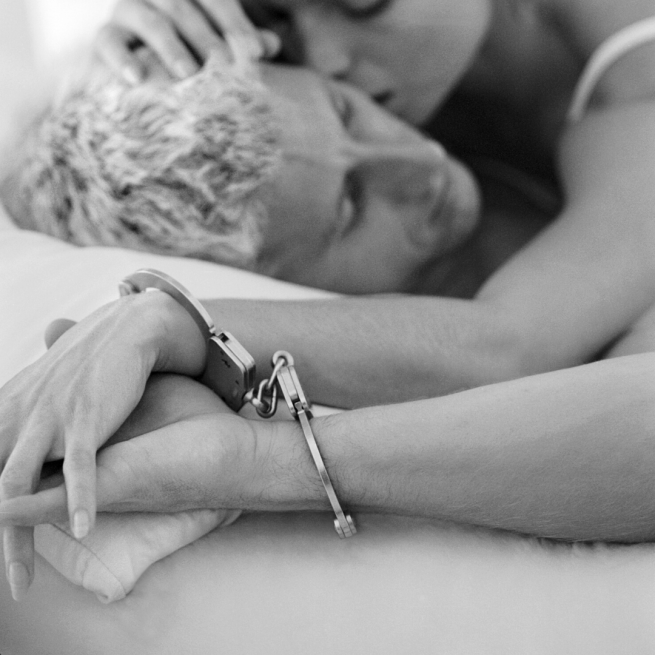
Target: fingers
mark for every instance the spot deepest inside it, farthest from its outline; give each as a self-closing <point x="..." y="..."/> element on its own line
<point x="140" y="21"/>
<point x="113" y="44"/>
<point x="196" y="30"/>
<point x="49" y="506"/>
<point x="122" y="485"/>
<point x="58" y="327"/>
<point x="80" y="475"/>
<point x="75" y="500"/>
<point x="19" y="559"/>
<point x="181" y="33"/>
<point x="20" y="477"/>
<point x="239" y="31"/>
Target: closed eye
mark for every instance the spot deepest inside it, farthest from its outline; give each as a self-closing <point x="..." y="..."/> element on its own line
<point x="342" y="106"/>
<point x="350" y="207"/>
<point x="364" y="9"/>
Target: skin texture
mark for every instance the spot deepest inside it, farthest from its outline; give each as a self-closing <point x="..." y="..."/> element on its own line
<point x="560" y="455"/>
<point x="389" y="206"/>
<point x="405" y="54"/>
<point x="579" y="286"/>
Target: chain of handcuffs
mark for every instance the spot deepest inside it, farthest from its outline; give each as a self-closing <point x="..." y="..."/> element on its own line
<point x="265" y="400"/>
<point x="230" y="373"/>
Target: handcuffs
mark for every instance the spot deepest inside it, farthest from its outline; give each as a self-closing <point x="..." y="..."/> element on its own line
<point x="230" y="372"/>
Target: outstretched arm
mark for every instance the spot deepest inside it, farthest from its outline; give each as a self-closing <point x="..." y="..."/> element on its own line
<point x="567" y="454"/>
<point x="579" y="286"/>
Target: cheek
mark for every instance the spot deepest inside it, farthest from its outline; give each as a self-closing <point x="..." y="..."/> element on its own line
<point x="424" y="52"/>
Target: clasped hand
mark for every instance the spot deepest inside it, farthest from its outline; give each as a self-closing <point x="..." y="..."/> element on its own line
<point x="164" y="449"/>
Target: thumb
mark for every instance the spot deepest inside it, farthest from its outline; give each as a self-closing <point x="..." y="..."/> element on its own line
<point x="56" y="329"/>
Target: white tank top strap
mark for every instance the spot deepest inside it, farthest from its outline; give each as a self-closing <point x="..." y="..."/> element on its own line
<point x="610" y="51"/>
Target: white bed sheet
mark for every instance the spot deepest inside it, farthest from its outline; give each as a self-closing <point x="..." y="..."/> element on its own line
<point x="283" y="583"/>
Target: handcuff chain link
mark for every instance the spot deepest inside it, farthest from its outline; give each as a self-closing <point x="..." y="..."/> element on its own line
<point x="265" y="400"/>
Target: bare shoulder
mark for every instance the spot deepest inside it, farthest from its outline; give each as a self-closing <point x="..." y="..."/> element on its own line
<point x="587" y="25"/>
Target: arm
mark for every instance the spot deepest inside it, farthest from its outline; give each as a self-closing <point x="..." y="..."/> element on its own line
<point x="567" y="454"/>
<point x="559" y="302"/>
<point x="591" y="274"/>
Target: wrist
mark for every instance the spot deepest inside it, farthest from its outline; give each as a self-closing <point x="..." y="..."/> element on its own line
<point x="284" y="477"/>
<point x="165" y="333"/>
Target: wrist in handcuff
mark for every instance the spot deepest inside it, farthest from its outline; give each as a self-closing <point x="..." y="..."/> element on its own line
<point x="230" y="372"/>
<point x="169" y="333"/>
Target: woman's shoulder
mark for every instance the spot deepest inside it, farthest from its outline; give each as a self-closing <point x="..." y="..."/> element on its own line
<point x="525" y="52"/>
<point x="622" y="34"/>
<point x="525" y="72"/>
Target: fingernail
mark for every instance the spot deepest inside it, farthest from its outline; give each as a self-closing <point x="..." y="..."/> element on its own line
<point x="81" y="524"/>
<point x="131" y="76"/>
<point x="19" y="580"/>
<point x="439" y="150"/>
<point x="271" y="42"/>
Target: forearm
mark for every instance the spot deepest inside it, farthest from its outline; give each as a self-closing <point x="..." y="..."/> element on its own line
<point x="583" y="282"/>
<point x="559" y="302"/>
<point x="360" y="351"/>
<point x="567" y="454"/>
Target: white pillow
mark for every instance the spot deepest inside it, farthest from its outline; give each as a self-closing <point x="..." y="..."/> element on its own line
<point x="42" y="278"/>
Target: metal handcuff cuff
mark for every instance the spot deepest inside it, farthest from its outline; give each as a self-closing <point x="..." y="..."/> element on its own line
<point x="230" y="373"/>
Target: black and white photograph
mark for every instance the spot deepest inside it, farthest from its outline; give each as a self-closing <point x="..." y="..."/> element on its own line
<point x="327" y="327"/>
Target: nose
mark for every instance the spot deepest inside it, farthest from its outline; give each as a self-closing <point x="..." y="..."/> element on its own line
<point x="404" y="173"/>
<point x="325" y="46"/>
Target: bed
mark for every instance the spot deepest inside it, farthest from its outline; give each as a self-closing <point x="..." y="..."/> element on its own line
<point x="271" y="584"/>
<point x="284" y="583"/>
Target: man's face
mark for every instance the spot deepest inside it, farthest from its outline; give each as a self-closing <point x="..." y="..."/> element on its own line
<point x="361" y="203"/>
<point x="404" y="54"/>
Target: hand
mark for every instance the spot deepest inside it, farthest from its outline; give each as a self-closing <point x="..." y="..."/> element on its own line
<point x="181" y="33"/>
<point x="170" y="455"/>
<point x="68" y="403"/>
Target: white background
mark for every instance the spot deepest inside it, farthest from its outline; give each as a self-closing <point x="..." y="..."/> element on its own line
<point x="34" y="36"/>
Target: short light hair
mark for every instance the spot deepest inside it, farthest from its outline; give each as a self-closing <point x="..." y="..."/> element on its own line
<point x="171" y="168"/>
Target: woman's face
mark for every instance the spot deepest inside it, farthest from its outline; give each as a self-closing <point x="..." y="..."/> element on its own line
<point x="404" y="54"/>
<point x="361" y="203"/>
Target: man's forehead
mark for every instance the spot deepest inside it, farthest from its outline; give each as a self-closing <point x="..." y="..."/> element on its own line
<point x="302" y="101"/>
